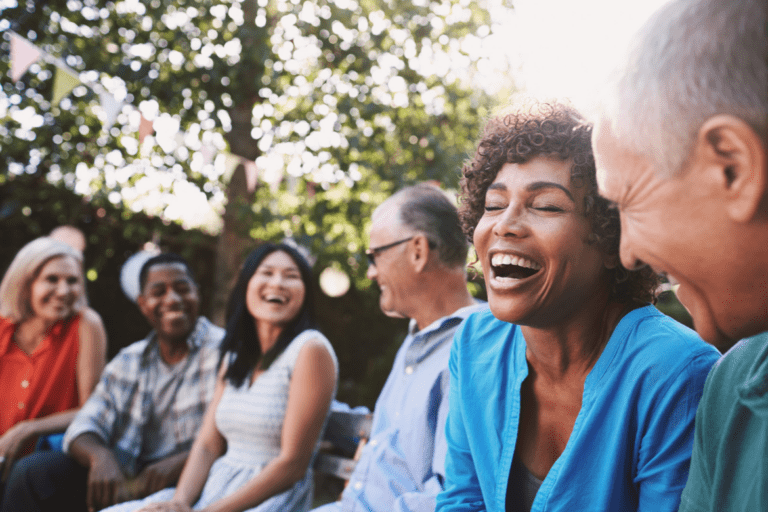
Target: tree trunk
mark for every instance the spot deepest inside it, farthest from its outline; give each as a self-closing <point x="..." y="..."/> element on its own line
<point x="235" y="241"/>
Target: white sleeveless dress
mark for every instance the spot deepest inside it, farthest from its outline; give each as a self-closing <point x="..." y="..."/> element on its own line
<point x="251" y="420"/>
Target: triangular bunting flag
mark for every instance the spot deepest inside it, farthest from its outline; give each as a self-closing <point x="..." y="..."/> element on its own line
<point x="23" y="55"/>
<point x="251" y="173"/>
<point x="111" y="109"/>
<point x="63" y="83"/>
<point x="145" y="128"/>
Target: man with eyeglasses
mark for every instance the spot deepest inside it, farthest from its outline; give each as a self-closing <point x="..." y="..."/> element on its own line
<point x="417" y="257"/>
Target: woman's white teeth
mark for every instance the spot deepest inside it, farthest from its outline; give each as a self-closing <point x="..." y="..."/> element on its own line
<point x="508" y="259"/>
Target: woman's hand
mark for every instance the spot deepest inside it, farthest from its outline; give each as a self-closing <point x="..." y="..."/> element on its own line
<point x="11" y="444"/>
<point x="167" y="506"/>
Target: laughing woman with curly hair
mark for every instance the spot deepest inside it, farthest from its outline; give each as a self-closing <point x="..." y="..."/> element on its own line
<point x="573" y="392"/>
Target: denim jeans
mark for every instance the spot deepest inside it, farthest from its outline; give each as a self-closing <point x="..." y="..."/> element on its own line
<point x="45" y="481"/>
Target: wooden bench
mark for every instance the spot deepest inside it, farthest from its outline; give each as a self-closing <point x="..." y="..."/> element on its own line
<point x="345" y="437"/>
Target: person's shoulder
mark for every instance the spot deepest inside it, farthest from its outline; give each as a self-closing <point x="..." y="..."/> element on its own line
<point x="482" y="332"/>
<point x="665" y="335"/>
<point x="6" y="326"/>
<point x="314" y="343"/>
<point x="133" y="353"/>
<point x="658" y="352"/>
<point x="311" y="337"/>
<point x="740" y="361"/>
<point x="90" y="317"/>
<point x="6" y="332"/>
<point x="127" y="361"/>
<point x="91" y="325"/>
<point x="308" y="341"/>
<point x="212" y="334"/>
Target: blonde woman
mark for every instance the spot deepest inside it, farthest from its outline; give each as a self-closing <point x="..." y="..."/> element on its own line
<point x="52" y="346"/>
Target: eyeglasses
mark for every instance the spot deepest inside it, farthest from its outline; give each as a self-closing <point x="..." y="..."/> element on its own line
<point x="374" y="251"/>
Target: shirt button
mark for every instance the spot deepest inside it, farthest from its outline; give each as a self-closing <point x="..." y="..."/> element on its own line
<point x="25" y="384"/>
<point x="21" y="405"/>
<point x="358" y="486"/>
<point x="374" y="442"/>
<point x="408" y="370"/>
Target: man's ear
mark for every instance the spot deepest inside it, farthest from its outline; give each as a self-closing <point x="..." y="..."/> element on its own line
<point x="420" y="253"/>
<point x="735" y="155"/>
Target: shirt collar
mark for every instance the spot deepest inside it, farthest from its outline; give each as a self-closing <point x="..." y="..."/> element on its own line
<point x="55" y="333"/>
<point x="7" y="328"/>
<point x="422" y="344"/>
<point x="461" y="314"/>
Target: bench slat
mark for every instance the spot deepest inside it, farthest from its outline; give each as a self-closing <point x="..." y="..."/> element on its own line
<point x="340" y="467"/>
<point x="347" y="424"/>
<point x="347" y="432"/>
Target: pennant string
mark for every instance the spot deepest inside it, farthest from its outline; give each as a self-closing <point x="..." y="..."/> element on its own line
<point x="111" y="106"/>
<point x="61" y="64"/>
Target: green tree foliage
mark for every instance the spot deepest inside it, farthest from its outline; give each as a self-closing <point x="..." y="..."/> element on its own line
<point x="359" y="96"/>
<point x="359" y="100"/>
<point x="153" y="55"/>
<point x="339" y="102"/>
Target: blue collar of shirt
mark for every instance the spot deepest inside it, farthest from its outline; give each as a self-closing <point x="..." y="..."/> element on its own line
<point x="425" y="341"/>
<point x="603" y="366"/>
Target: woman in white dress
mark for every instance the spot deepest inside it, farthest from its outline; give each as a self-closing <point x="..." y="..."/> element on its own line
<point x="277" y="380"/>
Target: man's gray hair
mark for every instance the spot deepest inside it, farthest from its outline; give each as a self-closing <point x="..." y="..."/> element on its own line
<point x="426" y="209"/>
<point x="692" y="60"/>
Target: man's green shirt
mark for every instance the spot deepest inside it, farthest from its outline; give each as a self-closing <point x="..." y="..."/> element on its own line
<point x="729" y="466"/>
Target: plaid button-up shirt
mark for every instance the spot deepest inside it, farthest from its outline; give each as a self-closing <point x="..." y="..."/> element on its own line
<point x="119" y="408"/>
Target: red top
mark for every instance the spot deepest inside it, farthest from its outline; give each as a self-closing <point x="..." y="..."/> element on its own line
<point x="43" y="383"/>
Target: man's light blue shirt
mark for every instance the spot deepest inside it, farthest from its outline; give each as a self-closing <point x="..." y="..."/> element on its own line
<point x="630" y="447"/>
<point x="402" y="468"/>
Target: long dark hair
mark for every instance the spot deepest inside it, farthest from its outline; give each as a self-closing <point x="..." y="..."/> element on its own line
<point x="241" y="338"/>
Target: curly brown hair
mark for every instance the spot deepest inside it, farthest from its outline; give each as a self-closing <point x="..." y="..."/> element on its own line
<point x="551" y="129"/>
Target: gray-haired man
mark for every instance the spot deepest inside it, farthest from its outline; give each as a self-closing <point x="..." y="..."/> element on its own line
<point x="417" y="257"/>
<point x="681" y="149"/>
